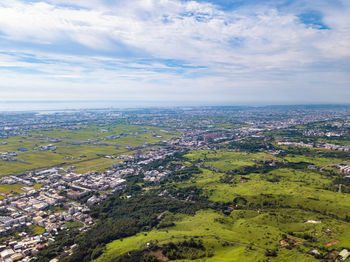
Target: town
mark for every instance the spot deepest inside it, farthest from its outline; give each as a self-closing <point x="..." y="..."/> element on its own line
<point x="92" y="155"/>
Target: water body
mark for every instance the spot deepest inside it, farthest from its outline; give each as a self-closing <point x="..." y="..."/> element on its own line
<point x="13" y="106"/>
<point x="8" y="106"/>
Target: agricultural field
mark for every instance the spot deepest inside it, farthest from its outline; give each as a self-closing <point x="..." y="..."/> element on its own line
<point x="141" y="139"/>
<point x="72" y="147"/>
<point x="82" y="156"/>
<point x="17" y="142"/>
<point x="98" y="133"/>
<point x="97" y="164"/>
<point x="229" y="126"/>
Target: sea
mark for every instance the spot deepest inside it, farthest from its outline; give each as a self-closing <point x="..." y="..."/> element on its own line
<point x="17" y="106"/>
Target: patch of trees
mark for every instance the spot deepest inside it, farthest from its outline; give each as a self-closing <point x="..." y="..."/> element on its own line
<point x="271" y="252"/>
<point x="251" y="145"/>
<point x="137" y="255"/>
<point x="298" y="165"/>
<point x="240" y="201"/>
<point x="118" y="218"/>
<point x="230" y="175"/>
<point x="271" y="178"/>
<point x="182" y="174"/>
<point x="63" y="240"/>
<point x="188" y="249"/>
<point x="341" y="180"/>
<point x="190" y="193"/>
<point x="178" y="156"/>
<point x="293" y="150"/>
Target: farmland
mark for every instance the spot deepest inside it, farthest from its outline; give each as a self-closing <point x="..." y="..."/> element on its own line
<point x="74" y="147"/>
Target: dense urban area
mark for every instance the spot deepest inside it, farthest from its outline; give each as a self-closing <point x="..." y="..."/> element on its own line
<point x="185" y="184"/>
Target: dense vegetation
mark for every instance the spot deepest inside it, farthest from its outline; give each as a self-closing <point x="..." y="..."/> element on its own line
<point x="190" y="250"/>
<point x="118" y="218"/>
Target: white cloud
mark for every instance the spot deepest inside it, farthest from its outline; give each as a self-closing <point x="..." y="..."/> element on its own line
<point x="231" y="47"/>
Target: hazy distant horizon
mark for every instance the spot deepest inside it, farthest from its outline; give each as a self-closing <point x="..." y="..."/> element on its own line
<point x="22" y="106"/>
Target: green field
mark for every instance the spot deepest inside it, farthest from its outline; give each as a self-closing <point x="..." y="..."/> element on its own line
<point x="272" y="212"/>
<point x="66" y="153"/>
<point x="225" y="160"/>
<point x="37" y="230"/>
<point x="139" y="140"/>
<point x="98" y="164"/>
<point x="16" y="142"/>
<point x="244" y="235"/>
<point x="73" y="149"/>
<point x="318" y="161"/>
<point x="15" y="188"/>
<point x="8" y="189"/>
<point x="99" y="133"/>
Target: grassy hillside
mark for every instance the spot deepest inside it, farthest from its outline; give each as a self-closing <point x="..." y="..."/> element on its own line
<point x="277" y="214"/>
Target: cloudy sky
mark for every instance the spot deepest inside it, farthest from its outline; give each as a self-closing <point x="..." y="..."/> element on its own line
<point x="219" y="52"/>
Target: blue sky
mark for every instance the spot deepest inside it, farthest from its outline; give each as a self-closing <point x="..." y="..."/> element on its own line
<point x="217" y="51"/>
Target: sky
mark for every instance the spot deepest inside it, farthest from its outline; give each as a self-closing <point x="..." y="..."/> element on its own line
<point x="209" y="52"/>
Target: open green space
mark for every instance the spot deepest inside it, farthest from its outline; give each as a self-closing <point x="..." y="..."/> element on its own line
<point x="67" y="154"/>
<point x="244" y="235"/>
<point x="319" y="161"/>
<point x="226" y="160"/>
<point x="14" y="188"/>
<point x="141" y="139"/>
<point x="14" y="143"/>
<point x="278" y="215"/>
<point x="98" y="164"/>
<point x="8" y="189"/>
<point x="92" y="132"/>
<point x="36" y="230"/>
<point x="73" y="148"/>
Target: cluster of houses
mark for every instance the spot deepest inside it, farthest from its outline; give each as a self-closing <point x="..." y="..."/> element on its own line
<point x="345" y="169"/>
<point x="57" y="201"/>
<point x="8" y="156"/>
<point x="22" y="250"/>
<point x="316" y="132"/>
<point x="337" y="147"/>
<point x="302" y="144"/>
<point x="49" y="147"/>
<point x="155" y="175"/>
<point x="317" y="145"/>
<point x="36" y="208"/>
<point x="44" y="208"/>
